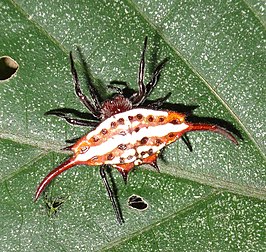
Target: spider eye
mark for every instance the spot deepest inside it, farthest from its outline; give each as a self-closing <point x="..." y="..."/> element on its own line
<point x="83" y="149"/>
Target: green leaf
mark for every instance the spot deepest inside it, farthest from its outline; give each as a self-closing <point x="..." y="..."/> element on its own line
<point x="210" y="199"/>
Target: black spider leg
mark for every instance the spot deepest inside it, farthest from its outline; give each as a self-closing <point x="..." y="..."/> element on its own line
<point x="125" y="90"/>
<point x="90" y="106"/>
<point x="93" y="91"/>
<point x="145" y="90"/>
<point x="187" y="142"/>
<point x="73" y="121"/>
<point x="111" y="195"/>
<point x="138" y="97"/>
<point x="158" y="102"/>
<point x="154" y="80"/>
<point x="118" y="90"/>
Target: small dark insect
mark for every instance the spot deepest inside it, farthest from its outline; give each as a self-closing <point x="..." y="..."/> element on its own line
<point x="126" y="133"/>
<point x="137" y="202"/>
<point x="52" y="205"/>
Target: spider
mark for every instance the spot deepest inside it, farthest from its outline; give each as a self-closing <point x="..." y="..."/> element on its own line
<point x="52" y="205"/>
<point x="126" y="133"/>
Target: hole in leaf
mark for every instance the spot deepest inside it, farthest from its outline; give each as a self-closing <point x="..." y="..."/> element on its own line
<point x="137" y="202"/>
<point x="8" y="67"/>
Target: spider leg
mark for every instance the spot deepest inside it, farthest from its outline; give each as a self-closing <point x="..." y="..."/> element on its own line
<point x="121" y="83"/>
<point x="91" y="107"/>
<point x="70" y="120"/>
<point x="154" y="79"/>
<point x="115" y="89"/>
<point x="138" y="97"/>
<point x="158" y="102"/>
<point x="142" y="69"/>
<point x="187" y="142"/>
<point x="93" y="91"/>
<point x="111" y="195"/>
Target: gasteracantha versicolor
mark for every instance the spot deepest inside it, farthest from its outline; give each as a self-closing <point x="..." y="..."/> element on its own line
<point x="126" y="134"/>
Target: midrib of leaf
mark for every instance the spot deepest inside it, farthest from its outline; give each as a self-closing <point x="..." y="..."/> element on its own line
<point x="220" y="184"/>
<point x="254" y="12"/>
<point x="23" y="167"/>
<point x="205" y="179"/>
<point x="47" y="146"/>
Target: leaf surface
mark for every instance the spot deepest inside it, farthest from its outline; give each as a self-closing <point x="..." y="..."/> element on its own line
<point x="213" y="197"/>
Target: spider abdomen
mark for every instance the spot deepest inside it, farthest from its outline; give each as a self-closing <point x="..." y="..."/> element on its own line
<point x="129" y="138"/>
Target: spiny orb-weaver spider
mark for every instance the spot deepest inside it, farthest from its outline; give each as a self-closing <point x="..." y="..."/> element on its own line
<point x="128" y="134"/>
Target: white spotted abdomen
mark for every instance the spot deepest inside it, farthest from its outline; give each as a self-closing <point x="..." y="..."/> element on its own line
<point x="129" y="137"/>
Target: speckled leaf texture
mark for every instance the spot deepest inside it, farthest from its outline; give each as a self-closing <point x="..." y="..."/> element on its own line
<point x="211" y="199"/>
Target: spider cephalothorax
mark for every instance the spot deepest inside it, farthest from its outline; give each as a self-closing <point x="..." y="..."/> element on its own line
<point x="128" y="134"/>
<point x="114" y="106"/>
